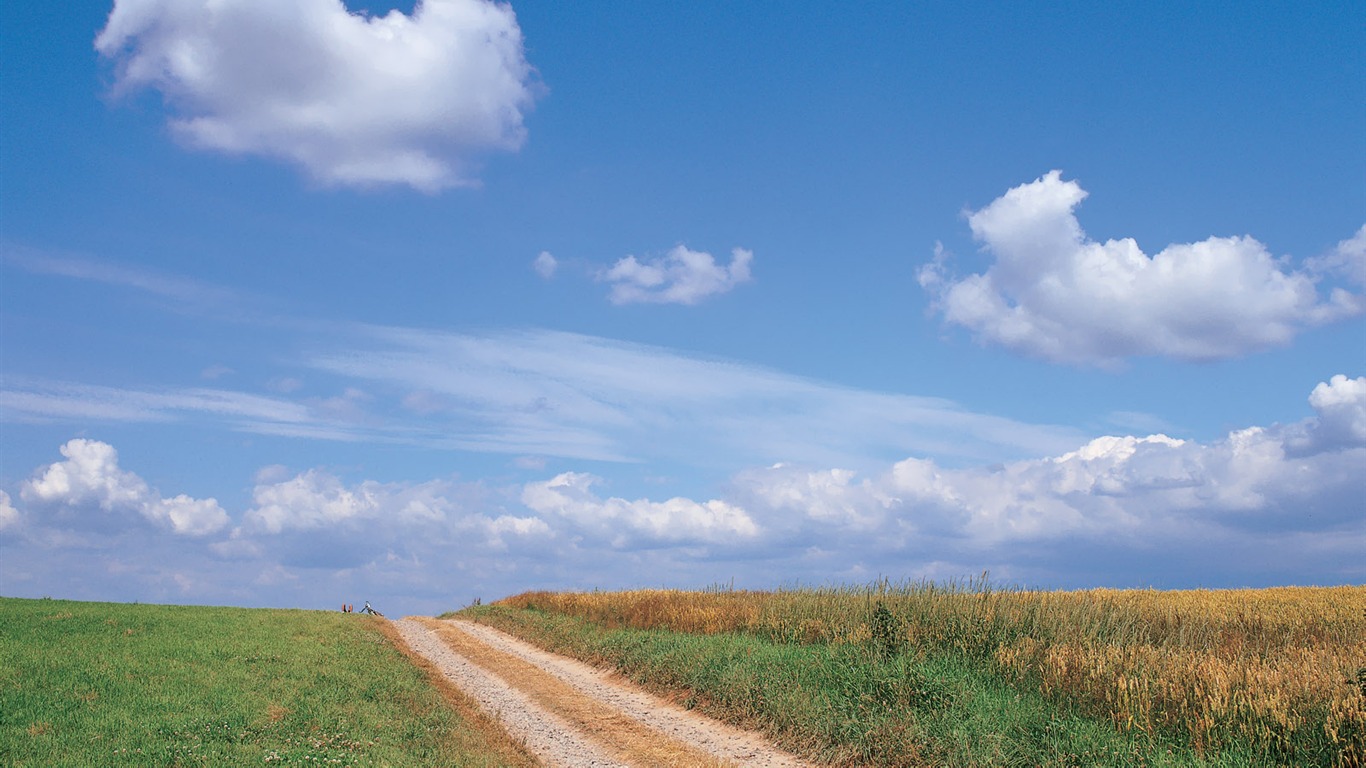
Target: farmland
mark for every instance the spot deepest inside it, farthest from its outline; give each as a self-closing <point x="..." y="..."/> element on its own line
<point x="967" y="674"/>
<point x="111" y="684"/>
<point x="887" y="674"/>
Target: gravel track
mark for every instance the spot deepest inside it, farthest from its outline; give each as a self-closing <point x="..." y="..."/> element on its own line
<point x="554" y="739"/>
<point x="548" y="736"/>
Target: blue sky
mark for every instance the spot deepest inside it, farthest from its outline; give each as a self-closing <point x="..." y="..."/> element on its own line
<point x="419" y="304"/>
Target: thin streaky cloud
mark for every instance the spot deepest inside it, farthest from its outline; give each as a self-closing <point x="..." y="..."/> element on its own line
<point x="180" y="289"/>
<point x="29" y="399"/>
<point x="641" y="402"/>
<point x="556" y="394"/>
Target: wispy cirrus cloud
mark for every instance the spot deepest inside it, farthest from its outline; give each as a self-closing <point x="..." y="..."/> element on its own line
<point x="561" y="394"/>
<point x="529" y="392"/>
<point x="29" y="399"/>
<point x="181" y="290"/>
<point x="554" y="394"/>
<point x="1052" y="292"/>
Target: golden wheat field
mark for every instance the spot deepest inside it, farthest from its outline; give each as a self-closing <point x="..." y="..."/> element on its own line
<point x="1271" y="666"/>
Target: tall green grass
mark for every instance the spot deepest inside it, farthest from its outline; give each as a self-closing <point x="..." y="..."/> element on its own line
<point x="96" y="684"/>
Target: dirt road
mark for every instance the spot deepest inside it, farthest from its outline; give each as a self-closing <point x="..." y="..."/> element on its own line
<point x="570" y="714"/>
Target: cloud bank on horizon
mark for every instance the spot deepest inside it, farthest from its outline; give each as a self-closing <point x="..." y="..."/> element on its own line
<point x="1291" y="493"/>
<point x="351" y="99"/>
<point x="1052" y="292"/>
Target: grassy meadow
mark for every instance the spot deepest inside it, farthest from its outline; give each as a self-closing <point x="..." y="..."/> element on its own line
<point x="965" y="674"/>
<point x="96" y="684"/>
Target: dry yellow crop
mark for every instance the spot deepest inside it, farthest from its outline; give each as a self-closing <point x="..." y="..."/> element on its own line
<point x="1269" y="666"/>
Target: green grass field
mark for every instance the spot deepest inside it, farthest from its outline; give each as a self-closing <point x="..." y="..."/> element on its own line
<point x="94" y="684"/>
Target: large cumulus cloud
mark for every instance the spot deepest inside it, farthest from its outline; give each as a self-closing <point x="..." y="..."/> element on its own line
<point x="89" y="480"/>
<point x="1052" y="292"/>
<point x="352" y="99"/>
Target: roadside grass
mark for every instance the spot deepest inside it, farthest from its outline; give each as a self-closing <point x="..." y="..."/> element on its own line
<point x="95" y="684"/>
<point x="839" y="705"/>
<point x="967" y="674"/>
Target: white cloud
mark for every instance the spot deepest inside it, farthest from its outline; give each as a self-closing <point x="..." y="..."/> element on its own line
<point x="309" y="501"/>
<point x="1146" y="492"/>
<point x="182" y="514"/>
<point x="535" y="392"/>
<point x="640" y="523"/>
<point x="61" y="400"/>
<point x="1341" y="400"/>
<point x="1341" y="407"/>
<point x="545" y="265"/>
<point x="1261" y="506"/>
<point x="1347" y="259"/>
<point x="819" y="496"/>
<point x="557" y="394"/>
<point x="682" y="276"/>
<point x="9" y="516"/>
<point x="1052" y="292"/>
<point x="316" y="500"/>
<point x="548" y="393"/>
<point x="314" y="519"/>
<point x="91" y="475"/>
<point x="186" y="292"/>
<point x="351" y="99"/>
